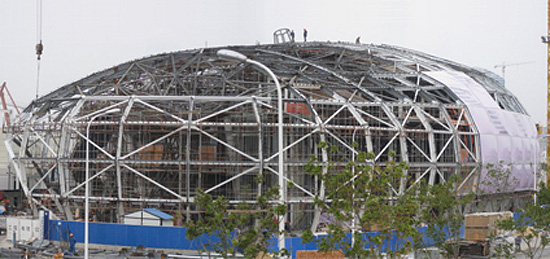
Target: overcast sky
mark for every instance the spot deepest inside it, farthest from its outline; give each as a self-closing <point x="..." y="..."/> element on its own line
<point x="85" y="36"/>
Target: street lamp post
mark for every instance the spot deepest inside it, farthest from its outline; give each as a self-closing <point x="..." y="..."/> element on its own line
<point x="87" y="177"/>
<point x="236" y="56"/>
<point x="353" y="220"/>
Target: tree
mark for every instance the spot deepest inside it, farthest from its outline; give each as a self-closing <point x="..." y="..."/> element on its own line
<point x="497" y="185"/>
<point x="444" y="215"/>
<point x="361" y="197"/>
<point x="532" y="226"/>
<point x="498" y="178"/>
<point x="247" y="229"/>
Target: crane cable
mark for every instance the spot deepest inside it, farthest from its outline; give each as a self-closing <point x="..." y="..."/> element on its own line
<point x="39" y="47"/>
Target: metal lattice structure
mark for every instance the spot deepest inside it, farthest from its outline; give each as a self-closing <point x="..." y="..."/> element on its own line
<point x="188" y="120"/>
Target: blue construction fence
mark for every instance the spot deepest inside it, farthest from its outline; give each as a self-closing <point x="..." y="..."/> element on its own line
<point x="159" y="237"/>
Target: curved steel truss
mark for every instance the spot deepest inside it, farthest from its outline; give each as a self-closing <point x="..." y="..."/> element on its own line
<point x="188" y="120"/>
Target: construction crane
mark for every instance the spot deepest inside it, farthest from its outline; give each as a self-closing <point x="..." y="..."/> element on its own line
<point x="39" y="46"/>
<point x="4" y="88"/>
<point x="504" y="65"/>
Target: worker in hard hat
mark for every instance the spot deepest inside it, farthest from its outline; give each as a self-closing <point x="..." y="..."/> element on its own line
<point x="72" y="243"/>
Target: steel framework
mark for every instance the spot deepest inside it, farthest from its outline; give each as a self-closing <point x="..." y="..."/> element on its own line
<point x="190" y="121"/>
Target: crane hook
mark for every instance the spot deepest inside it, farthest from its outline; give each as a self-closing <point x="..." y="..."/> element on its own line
<point x="39" y="48"/>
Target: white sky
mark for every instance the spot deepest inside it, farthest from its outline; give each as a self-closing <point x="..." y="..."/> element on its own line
<point x="85" y="36"/>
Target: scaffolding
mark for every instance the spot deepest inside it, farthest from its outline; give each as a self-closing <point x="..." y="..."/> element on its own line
<point x="190" y="121"/>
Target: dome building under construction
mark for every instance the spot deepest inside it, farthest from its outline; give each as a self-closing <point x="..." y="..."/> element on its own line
<point x="155" y="130"/>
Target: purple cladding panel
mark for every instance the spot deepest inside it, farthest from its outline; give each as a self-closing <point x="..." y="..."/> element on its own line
<point x="504" y="135"/>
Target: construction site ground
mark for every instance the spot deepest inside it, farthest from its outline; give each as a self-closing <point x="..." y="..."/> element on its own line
<point x="95" y="249"/>
<point x="6" y="243"/>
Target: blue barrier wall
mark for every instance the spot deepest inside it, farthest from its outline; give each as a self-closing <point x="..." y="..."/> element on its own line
<point x="126" y="235"/>
<point x="160" y="237"/>
<point x="149" y="236"/>
<point x="167" y="237"/>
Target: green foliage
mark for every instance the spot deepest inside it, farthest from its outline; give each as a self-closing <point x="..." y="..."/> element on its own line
<point x="503" y="249"/>
<point x="307" y="236"/>
<point x="532" y="226"/>
<point x="444" y="217"/>
<point x="363" y="193"/>
<point x="361" y="196"/>
<point x="246" y="229"/>
<point x="497" y="178"/>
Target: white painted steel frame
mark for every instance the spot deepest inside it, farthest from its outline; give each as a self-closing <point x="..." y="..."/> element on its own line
<point x="389" y="104"/>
